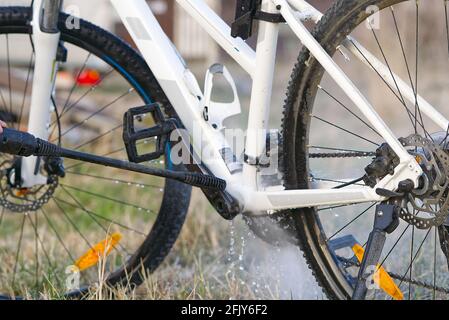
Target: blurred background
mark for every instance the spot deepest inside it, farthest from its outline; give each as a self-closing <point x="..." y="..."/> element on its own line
<point x="184" y="31"/>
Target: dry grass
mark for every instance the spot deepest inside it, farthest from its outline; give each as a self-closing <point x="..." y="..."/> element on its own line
<point x="212" y="259"/>
<point x="216" y="259"/>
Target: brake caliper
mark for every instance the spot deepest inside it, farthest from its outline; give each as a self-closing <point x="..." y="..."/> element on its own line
<point x="383" y="164"/>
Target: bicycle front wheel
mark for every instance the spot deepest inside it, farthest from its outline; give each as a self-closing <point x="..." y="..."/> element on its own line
<point x="123" y="224"/>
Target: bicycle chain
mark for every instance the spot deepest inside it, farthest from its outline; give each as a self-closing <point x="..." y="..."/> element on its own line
<point x="418" y="283"/>
<point x="426" y="285"/>
<point x="342" y="155"/>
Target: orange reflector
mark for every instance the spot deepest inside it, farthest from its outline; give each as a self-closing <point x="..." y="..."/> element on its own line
<point x="21" y="192"/>
<point x="381" y="277"/>
<point x="98" y="251"/>
<point x="418" y="159"/>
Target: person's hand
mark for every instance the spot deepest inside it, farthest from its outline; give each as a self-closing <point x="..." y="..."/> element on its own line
<point x="2" y="125"/>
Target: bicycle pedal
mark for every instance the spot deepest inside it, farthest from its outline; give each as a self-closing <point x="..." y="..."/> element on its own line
<point x="159" y="132"/>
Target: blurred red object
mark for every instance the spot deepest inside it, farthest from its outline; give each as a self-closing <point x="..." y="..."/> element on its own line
<point x="88" y="77"/>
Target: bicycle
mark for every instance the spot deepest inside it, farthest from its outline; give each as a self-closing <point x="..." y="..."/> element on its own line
<point x="404" y="172"/>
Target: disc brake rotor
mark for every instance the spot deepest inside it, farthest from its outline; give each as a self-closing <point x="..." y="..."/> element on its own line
<point x="431" y="207"/>
<point x="24" y="200"/>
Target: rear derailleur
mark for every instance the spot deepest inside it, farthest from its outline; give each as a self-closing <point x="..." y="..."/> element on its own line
<point x="431" y="197"/>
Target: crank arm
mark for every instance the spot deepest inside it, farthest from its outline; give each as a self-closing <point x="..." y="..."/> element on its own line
<point x="24" y="144"/>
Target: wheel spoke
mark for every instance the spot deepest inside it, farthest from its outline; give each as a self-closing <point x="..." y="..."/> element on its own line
<point x="7" y="106"/>
<point x="58" y="236"/>
<point x="417" y="109"/>
<point x="409" y="73"/>
<point x="25" y="90"/>
<point x="47" y="257"/>
<point x="411" y="116"/>
<point x="139" y="208"/>
<point x="80" y="206"/>
<point x="334" y="207"/>
<point x="345" y="130"/>
<point x="137" y="184"/>
<point x="2" y="216"/>
<point x="80" y="123"/>
<point x="98" y="137"/>
<point x="75" y="227"/>
<point x="36" y="247"/>
<point x="19" y="246"/>
<point x="411" y="259"/>
<point x="394" y="246"/>
<point x="349" y="110"/>
<point x="391" y="72"/>
<point x="350" y="222"/>
<point x="75" y="84"/>
<point x="414" y="258"/>
<point x="84" y="95"/>
<point x="107" y="154"/>
<point x="446" y="21"/>
<point x="434" y="265"/>
<point x="104" y="218"/>
<point x="342" y="184"/>
<point x="9" y="73"/>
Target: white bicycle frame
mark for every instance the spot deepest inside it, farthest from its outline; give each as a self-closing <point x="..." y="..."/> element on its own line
<point x="184" y="93"/>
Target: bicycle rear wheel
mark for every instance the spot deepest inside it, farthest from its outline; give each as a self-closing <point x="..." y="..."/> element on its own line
<point x="327" y="140"/>
<point x="44" y="230"/>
